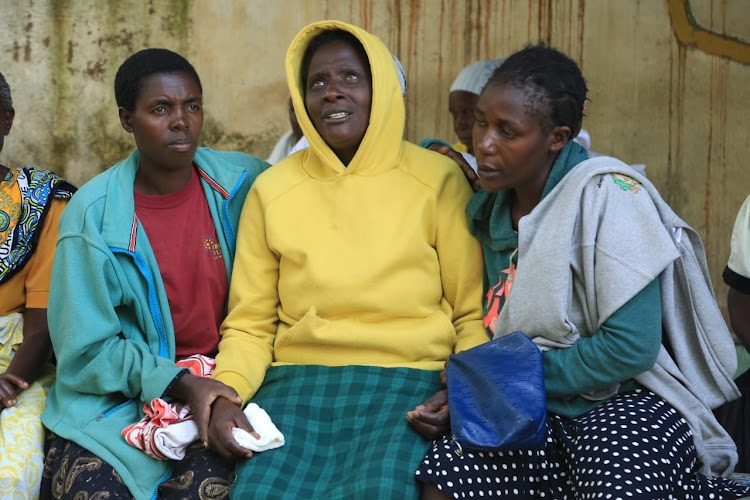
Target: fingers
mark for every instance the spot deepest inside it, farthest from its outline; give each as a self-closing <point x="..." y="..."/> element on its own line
<point x="225" y="417"/>
<point x="201" y="416"/>
<point x="438" y="418"/>
<point x="431" y="419"/>
<point x="8" y="384"/>
<point x="229" y="393"/>
<point x="7" y="394"/>
<point x="437" y="401"/>
<point x="16" y="380"/>
<point x="431" y="425"/>
<point x="203" y="394"/>
<point x="469" y="173"/>
<point x="223" y="443"/>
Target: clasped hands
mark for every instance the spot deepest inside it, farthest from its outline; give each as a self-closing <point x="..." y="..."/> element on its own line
<point x="431" y="419"/>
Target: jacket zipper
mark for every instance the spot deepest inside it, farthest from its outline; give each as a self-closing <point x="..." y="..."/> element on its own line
<point x="153" y="304"/>
<point x="225" y="209"/>
<point x="106" y="413"/>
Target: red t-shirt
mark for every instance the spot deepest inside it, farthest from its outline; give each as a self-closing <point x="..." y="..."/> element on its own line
<point x="183" y="237"/>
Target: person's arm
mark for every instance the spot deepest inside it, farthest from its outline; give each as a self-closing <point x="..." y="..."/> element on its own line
<point x="737" y="275"/>
<point x="431" y="419"/>
<point x="738" y="304"/>
<point x="33" y="353"/>
<point x="471" y="176"/>
<point x="626" y="345"/>
<point x="201" y="394"/>
<point x="36" y="349"/>
<point x="87" y="309"/>
<point x="446" y="149"/>
<point x="461" y="270"/>
<point x="249" y="330"/>
<point x="461" y="264"/>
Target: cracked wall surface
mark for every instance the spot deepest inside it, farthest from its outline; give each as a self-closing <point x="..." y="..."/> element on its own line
<point x="678" y="108"/>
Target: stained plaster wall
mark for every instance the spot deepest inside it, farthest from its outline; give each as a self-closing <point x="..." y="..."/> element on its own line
<point x="679" y="109"/>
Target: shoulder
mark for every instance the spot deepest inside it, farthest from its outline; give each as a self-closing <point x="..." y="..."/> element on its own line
<point x="739" y="245"/>
<point x="232" y="159"/>
<point x="46" y="182"/>
<point x="742" y="222"/>
<point x="616" y="183"/>
<point x="281" y="178"/>
<point x="95" y="188"/>
<point x="430" y="168"/>
<point x="88" y="201"/>
<point x="610" y="181"/>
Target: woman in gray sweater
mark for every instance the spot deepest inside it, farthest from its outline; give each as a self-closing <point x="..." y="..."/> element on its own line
<point x="587" y="260"/>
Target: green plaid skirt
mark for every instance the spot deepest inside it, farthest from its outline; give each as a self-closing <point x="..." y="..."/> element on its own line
<point x="345" y="430"/>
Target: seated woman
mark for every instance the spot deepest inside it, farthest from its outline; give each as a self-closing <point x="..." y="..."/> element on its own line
<point x="587" y="260"/>
<point x="735" y="415"/>
<point x="140" y="280"/>
<point x="355" y="279"/>
<point x="31" y="201"/>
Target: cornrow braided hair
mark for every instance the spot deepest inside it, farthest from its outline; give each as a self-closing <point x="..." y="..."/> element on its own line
<point x="553" y="84"/>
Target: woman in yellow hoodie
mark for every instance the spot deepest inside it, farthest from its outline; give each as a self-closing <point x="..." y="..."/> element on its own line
<point x="355" y="278"/>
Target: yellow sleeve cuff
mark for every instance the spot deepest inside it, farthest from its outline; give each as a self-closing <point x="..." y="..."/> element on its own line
<point x="238" y="383"/>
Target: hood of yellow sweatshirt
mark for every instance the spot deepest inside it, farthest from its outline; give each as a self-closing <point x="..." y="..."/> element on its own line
<point x="380" y="149"/>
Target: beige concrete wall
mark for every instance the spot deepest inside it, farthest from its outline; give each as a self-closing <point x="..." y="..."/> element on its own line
<point x="679" y="109"/>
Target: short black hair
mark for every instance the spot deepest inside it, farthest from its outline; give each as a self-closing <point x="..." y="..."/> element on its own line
<point x="324" y="38"/>
<point x="6" y="103"/>
<point x="129" y="78"/>
<point x="553" y="82"/>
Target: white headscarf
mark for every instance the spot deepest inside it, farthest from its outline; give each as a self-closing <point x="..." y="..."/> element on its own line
<point x="474" y="77"/>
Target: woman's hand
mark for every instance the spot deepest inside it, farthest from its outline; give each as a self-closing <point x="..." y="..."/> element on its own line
<point x="469" y="173"/>
<point x="35" y="351"/>
<point x="10" y="385"/>
<point x="225" y="416"/>
<point x="200" y="393"/>
<point x="431" y="419"/>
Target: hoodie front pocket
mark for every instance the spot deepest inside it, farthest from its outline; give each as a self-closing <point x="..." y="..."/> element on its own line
<point x="307" y="328"/>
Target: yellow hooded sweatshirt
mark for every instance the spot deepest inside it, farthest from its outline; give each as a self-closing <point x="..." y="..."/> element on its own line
<point x="368" y="264"/>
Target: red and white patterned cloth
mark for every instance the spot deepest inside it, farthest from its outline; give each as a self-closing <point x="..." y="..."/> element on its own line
<point x="145" y="434"/>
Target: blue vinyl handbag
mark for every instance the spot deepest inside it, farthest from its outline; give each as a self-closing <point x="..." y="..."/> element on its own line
<point x="496" y="396"/>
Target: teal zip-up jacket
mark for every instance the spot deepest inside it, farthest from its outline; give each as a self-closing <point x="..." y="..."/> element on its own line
<point x="108" y="313"/>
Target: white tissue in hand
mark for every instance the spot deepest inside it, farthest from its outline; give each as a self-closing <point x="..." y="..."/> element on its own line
<point x="270" y="436"/>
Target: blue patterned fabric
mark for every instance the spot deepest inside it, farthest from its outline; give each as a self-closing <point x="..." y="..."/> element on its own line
<point x="38" y="188"/>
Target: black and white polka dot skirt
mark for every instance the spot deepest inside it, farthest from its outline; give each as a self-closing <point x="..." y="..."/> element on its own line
<point x="633" y="446"/>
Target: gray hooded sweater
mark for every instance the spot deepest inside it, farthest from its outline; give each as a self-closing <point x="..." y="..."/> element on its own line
<point x="593" y="243"/>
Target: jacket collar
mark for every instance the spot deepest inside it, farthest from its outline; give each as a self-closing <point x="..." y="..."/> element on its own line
<point x="120" y="227"/>
<point x="488" y="214"/>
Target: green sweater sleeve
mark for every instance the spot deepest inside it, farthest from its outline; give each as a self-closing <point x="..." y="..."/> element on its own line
<point x="626" y="345"/>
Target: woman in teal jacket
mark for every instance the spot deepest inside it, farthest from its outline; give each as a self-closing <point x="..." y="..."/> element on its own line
<point x="111" y="319"/>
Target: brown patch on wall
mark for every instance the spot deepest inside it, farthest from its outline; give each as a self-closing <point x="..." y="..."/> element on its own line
<point x="123" y="38"/>
<point x="71" y="47"/>
<point x="96" y="70"/>
<point x="107" y="141"/>
<point x="214" y="136"/>
<point x="16" y="48"/>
